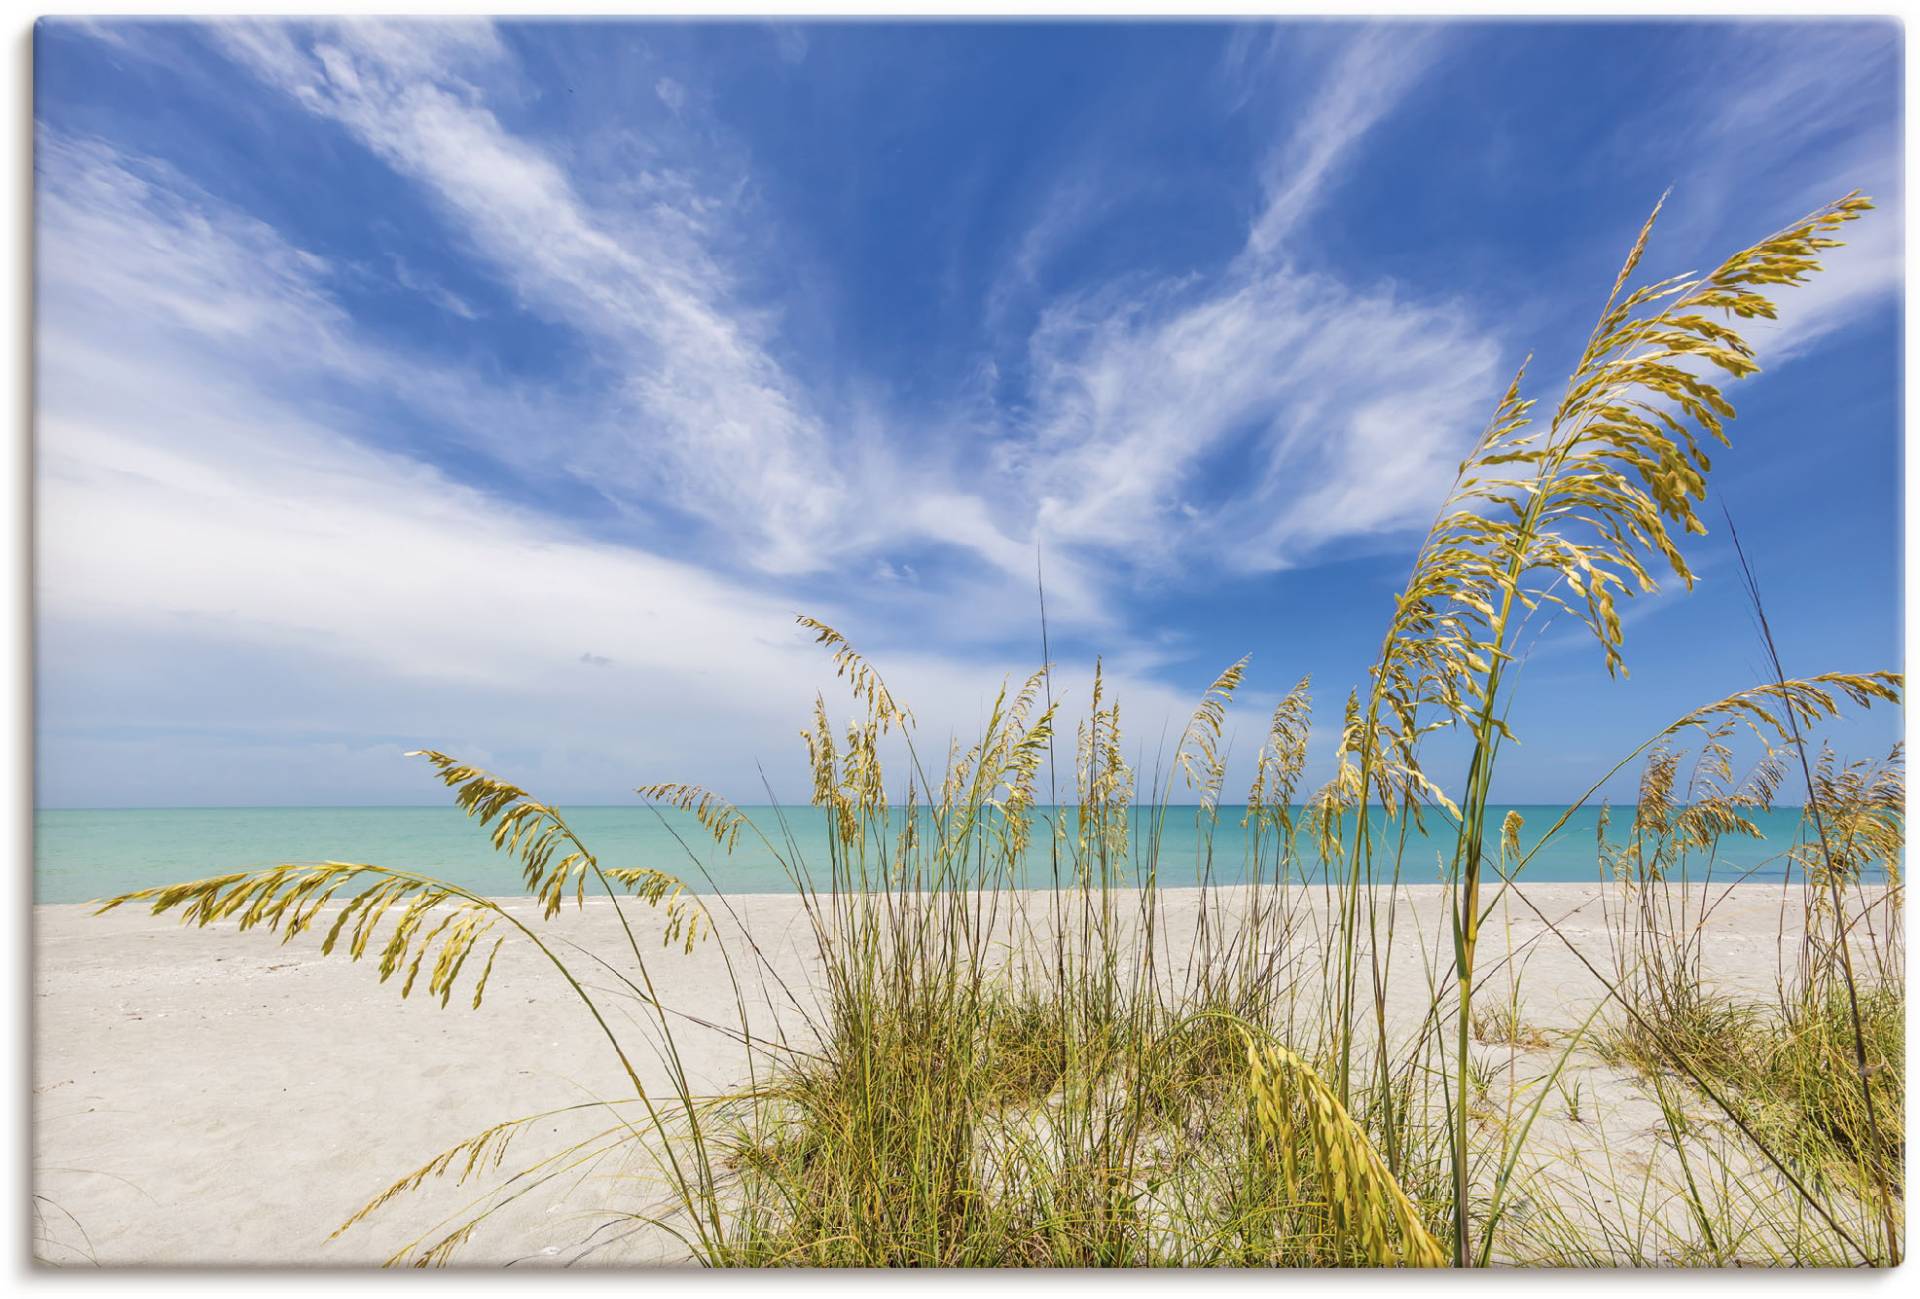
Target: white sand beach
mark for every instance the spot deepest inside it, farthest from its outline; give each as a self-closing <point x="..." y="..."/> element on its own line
<point x="202" y="1097"/>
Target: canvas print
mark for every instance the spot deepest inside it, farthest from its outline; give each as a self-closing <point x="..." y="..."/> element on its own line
<point x="968" y="644"/>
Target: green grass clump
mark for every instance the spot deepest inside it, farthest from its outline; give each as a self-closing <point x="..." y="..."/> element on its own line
<point x="1797" y="1075"/>
<point x="1808" y="1062"/>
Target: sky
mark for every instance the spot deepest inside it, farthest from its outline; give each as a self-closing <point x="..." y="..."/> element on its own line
<point x="507" y="389"/>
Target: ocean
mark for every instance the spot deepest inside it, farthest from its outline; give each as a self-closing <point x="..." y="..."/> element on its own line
<point x="81" y="855"/>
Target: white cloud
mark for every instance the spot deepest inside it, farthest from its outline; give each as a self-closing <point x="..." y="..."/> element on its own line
<point x="1325" y="382"/>
<point x="132" y="253"/>
<point x="1787" y="82"/>
<point x="350" y="594"/>
<point x="132" y="235"/>
<point x="702" y="416"/>
<point x="1067" y="210"/>
<point x="1320" y="410"/>
<point x="1308" y="378"/>
<point x="1783" y="127"/>
<point x="1869" y="271"/>
<point x="1361" y="84"/>
<point x="432" y="290"/>
<point x="185" y="517"/>
<point x="221" y="566"/>
<point x="1338" y="404"/>
<point x="711" y="415"/>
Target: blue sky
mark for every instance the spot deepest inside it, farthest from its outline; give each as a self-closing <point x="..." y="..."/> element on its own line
<point x="507" y="388"/>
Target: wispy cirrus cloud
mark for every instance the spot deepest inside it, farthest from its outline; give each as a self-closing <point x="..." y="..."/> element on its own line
<point x="1361" y="83"/>
<point x="709" y="413"/>
<point x="1139" y="391"/>
<point x="1335" y="405"/>
<point x="699" y="413"/>
<point x="1777" y="127"/>
<point x="1250" y="417"/>
<point x="134" y="232"/>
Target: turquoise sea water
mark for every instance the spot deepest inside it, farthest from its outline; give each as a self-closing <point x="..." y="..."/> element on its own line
<point x="81" y="855"/>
